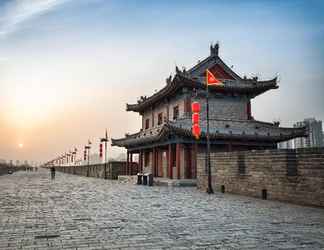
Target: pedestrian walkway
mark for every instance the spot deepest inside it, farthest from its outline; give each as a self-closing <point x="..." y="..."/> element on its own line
<point x="74" y="212"/>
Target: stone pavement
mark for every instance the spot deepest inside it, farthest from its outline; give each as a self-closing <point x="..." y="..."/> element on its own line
<point x="74" y="212"/>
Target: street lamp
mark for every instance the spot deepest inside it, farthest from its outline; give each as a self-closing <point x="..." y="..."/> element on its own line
<point x="105" y="140"/>
<point x="74" y="156"/>
<point x="87" y="148"/>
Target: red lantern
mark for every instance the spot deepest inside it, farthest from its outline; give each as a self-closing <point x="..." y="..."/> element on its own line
<point x="85" y="155"/>
<point x="195" y="107"/>
<point x="195" y="118"/>
<point x="196" y="131"/>
<point x="100" y="150"/>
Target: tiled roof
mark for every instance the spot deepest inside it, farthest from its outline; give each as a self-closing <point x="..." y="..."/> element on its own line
<point x="241" y="130"/>
<point x="194" y="78"/>
<point x="253" y="87"/>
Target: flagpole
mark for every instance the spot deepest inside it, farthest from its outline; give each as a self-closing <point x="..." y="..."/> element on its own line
<point x="209" y="188"/>
<point x="88" y="149"/>
<point x="106" y="140"/>
<point x="106" y="159"/>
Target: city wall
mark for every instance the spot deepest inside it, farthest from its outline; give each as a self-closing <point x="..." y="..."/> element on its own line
<point x="5" y="169"/>
<point x="295" y="176"/>
<point x="113" y="169"/>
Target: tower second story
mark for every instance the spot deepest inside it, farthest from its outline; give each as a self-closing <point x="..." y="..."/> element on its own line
<point x="232" y="101"/>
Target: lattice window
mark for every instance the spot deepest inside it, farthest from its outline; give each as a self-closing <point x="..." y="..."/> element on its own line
<point x="160" y="118"/>
<point x="175" y="112"/>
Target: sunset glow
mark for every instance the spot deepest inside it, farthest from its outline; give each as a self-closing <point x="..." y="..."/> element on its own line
<point x="68" y="68"/>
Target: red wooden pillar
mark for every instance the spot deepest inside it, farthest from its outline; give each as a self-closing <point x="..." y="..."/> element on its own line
<point x="143" y="160"/>
<point x="178" y="160"/>
<point x="131" y="164"/>
<point x="139" y="169"/>
<point x="194" y="160"/>
<point x="156" y="163"/>
<point x="188" y="161"/>
<point x="127" y="163"/>
<point x="170" y="162"/>
<point x="153" y="161"/>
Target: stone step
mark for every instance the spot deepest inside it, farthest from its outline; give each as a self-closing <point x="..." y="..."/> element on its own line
<point x="175" y="183"/>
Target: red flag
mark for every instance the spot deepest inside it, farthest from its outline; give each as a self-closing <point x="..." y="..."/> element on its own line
<point x="211" y="79"/>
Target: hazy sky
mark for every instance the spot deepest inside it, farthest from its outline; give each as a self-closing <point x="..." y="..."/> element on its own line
<point x="68" y="67"/>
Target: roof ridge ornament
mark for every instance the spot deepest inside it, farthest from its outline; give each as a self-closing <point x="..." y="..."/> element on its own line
<point x="178" y="71"/>
<point x="214" y="49"/>
<point x="169" y="79"/>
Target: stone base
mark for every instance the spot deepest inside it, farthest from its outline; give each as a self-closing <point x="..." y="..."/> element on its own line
<point x="175" y="182"/>
<point x="132" y="179"/>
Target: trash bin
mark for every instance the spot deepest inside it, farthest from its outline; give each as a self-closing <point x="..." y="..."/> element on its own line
<point x="145" y="179"/>
<point x="150" y="179"/>
<point x="139" y="178"/>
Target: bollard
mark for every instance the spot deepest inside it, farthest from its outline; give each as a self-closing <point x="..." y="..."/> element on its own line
<point x="145" y="179"/>
<point x="150" y="179"/>
<point x="139" y="178"/>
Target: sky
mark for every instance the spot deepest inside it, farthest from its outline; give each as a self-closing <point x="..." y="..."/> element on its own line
<point x="68" y="67"/>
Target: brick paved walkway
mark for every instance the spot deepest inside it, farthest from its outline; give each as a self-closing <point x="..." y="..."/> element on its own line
<point x="75" y="212"/>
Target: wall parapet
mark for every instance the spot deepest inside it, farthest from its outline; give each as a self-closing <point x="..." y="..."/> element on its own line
<point x="113" y="169"/>
<point x="295" y="176"/>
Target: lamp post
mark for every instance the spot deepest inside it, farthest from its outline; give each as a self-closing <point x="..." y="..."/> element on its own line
<point x="105" y="140"/>
<point x="74" y="159"/>
<point x="87" y="148"/>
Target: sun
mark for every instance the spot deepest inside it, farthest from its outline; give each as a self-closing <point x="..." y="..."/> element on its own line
<point x="20" y="145"/>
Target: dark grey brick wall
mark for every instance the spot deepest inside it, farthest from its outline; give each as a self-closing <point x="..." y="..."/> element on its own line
<point x="225" y="107"/>
<point x="295" y="176"/>
<point x="113" y="169"/>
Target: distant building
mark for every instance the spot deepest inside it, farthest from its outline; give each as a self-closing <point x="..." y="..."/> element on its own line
<point x="315" y="134"/>
<point x="3" y="161"/>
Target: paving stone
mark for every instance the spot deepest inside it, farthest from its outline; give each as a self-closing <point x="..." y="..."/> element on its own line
<point x="75" y="212"/>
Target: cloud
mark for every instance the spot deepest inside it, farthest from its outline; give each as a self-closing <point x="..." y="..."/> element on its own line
<point x="17" y="12"/>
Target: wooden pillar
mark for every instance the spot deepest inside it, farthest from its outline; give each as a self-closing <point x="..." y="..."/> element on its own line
<point x="178" y="160"/>
<point x="194" y="160"/>
<point x="127" y="163"/>
<point x="188" y="161"/>
<point x="170" y="162"/>
<point x="140" y="161"/>
<point x="153" y="161"/>
<point x="131" y="164"/>
<point x="157" y="162"/>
